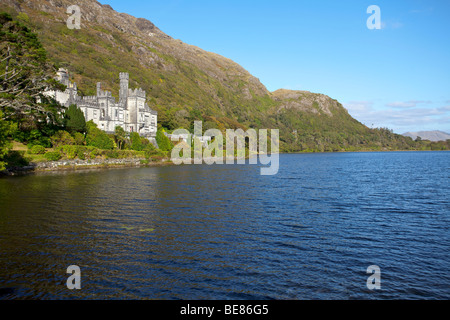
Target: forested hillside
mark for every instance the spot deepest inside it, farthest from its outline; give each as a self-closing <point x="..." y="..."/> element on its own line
<point x="185" y="83"/>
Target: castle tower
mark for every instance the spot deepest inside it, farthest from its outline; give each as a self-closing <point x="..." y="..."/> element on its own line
<point x="99" y="88"/>
<point x="63" y="76"/>
<point x="123" y="92"/>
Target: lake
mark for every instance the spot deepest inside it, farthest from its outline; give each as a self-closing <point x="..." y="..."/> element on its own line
<point x="226" y="232"/>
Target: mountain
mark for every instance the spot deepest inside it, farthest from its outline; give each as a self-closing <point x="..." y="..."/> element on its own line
<point x="185" y="83"/>
<point x="428" y="135"/>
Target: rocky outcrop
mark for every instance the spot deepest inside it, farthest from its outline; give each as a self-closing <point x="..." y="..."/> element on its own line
<point x="305" y="101"/>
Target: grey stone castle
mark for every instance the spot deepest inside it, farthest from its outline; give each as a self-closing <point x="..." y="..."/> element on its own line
<point x="131" y="112"/>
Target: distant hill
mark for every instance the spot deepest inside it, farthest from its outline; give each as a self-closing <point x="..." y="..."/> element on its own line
<point x="185" y="83"/>
<point x="428" y="135"/>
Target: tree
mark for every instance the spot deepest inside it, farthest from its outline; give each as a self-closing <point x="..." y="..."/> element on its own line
<point x="120" y="136"/>
<point x="164" y="143"/>
<point x="25" y="74"/>
<point x="136" y="142"/>
<point x="6" y="129"/>
<point x="74" y="120"/>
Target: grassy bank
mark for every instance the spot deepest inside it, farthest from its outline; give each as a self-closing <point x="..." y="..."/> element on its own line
<point x="23" y="158"/>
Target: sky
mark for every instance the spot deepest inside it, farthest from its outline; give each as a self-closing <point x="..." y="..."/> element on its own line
<point x="396" y="77"/>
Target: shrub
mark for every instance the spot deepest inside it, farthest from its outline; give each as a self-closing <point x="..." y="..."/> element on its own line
<point x="79" y="138"/>
<point x="97" y="138"/>
<point x="152" y="151"/>
<point x="52" y="156"/>
<point x="155" y="154"/>
<point x="62" y="138"/>
<point x="81" y="153"/>
<point x="157" y="158"/>
<point x="45" y="142"/>
<point x="15" y="159"/>
<point x="70" y="152"/>
<point x="136" y="142"/>
<point x="37" y="149"/>
<point x="33" y="137"/>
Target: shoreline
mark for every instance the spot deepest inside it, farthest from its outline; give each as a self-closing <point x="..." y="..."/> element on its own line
<point x="77" y="165"/>
<point x="81" y="165"/>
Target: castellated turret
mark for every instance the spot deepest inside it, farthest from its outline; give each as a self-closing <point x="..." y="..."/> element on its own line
<point x="63" y="76"/>
<point x="123" y="92"/>
<point x="136" y="93"/>
<point x="99" y="88"/>
<point x="102" y="93"/>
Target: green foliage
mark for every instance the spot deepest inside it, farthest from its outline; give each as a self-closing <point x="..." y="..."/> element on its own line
<point x="139" y="143"/>
<point x="37" y="149"/>
<point x="53" y="156"/>
<point x="74" y="120"/>
<point x="120" y="137"/>
<point x="35" y="136"/>
<point x="164" y="143"/>
<point x="62" y="138"/>
<point x="136" y="142"/>
<point x="6" y="130"/>
<point x="69" y="152"/>
<point x="79" y="138"/>
<point x="25" y="73"/>
<point x="15" y="158"/>
<point x="23" y="17"/>
<point x="154" y="154"/>
<point x="98" y="138"/>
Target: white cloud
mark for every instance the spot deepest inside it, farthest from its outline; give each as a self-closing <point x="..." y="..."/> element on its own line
<point x="358" y="106"/>
<point x="444" y="109"/>
<point x="407" y="104"/>
<point x="396" y="25"/>
<point x="423" y="10"/>
<point x="391" y="24"/>
<point x="401" y="116"/>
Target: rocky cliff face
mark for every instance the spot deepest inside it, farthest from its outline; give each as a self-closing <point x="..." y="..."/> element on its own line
<point x="305" y="101"/>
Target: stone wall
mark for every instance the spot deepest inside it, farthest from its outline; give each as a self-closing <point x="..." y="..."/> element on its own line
<point x="70" y="165"/>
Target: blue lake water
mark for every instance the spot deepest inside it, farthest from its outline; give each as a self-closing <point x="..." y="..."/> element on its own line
<point x="226" y="232"/>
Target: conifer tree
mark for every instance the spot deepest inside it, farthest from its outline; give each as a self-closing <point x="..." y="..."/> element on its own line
<point x="74" y="120"/>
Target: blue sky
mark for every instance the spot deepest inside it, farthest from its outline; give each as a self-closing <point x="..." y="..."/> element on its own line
<point x="397" y="77"/>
